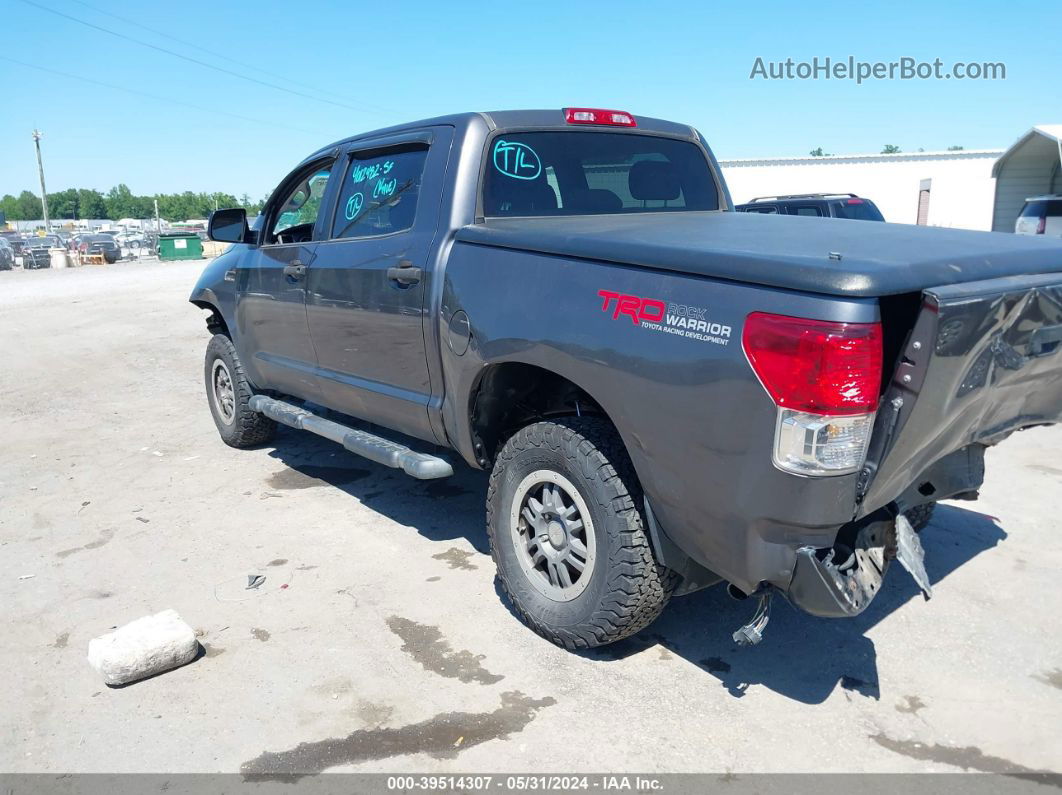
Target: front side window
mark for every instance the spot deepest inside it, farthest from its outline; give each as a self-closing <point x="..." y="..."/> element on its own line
<point x="296" y="216"/>
<point x="594" y="173"/>
<point x="379" y="193"/>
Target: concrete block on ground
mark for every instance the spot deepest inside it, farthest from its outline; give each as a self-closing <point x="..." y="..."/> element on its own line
<point x="143" y="648"/>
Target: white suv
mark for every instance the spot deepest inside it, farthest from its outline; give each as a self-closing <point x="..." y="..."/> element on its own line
<point x="1042" y="215"/>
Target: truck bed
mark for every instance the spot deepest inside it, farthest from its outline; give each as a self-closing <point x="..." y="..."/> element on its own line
<point x="789" y="252"/>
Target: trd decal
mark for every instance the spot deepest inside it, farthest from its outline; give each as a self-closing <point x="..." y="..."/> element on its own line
<point x="636" y="308"/>
<point x="669" y="318"/>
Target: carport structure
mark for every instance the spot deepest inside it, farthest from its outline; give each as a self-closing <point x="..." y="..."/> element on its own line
<point x="1031" y="167"/>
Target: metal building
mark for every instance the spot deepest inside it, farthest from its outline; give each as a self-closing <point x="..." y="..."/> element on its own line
<point x="952" y="188"/>
<point x="1029" y="168"/>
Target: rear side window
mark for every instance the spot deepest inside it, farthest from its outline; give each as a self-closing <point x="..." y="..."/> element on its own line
<point x="1040" y="209"/>
<point x="379" y="193"/>
<point x="805" y="209"/>
<point x="594" y="173"/>
<point x="857" y="209"/>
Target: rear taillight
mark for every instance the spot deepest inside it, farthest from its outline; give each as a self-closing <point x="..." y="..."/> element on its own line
<point x="612" y="118"/>
<point x="825" y="378"/>
<point x="1041" y="225"/>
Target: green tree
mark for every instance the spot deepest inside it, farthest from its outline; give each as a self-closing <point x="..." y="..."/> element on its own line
<point x="29" y="207"/>
<point x="891" y="149"/>
<point x="819" y="153"/>
<point x="91" y="204"/>
<point x="9" y="207"/>
<point x="63" y="204"/>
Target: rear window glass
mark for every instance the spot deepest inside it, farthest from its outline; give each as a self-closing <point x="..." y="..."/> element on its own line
<point x="593" y="173"/>
<point x="1038" y="209"/>
<point x="379" y="193"/>
<point x="858" y="209"/>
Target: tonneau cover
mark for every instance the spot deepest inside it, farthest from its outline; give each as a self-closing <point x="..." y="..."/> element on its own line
<point x="790" y="252"/>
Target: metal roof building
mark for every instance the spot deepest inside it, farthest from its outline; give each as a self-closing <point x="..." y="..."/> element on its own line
<point x="1029" y="168"/>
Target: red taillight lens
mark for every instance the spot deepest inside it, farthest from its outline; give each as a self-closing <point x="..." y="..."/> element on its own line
<point x="855" y="201"/>
<point x="816" y="366"/>
<point x="613" y="118"/>
<point x="1041" y="225"/>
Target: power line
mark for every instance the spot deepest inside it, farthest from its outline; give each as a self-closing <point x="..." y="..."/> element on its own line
<point x="201" y="48"/>
<point x="154" y="96"/>
<point x="190" y="59"/>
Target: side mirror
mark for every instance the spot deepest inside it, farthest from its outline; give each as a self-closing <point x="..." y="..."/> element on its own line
<point x="229" y="226"/>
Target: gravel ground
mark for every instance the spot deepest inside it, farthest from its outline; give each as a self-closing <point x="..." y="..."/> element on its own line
<point x="379" y="640"/>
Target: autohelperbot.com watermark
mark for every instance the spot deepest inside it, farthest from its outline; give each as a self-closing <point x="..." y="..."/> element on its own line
<point x="850" y="68"/>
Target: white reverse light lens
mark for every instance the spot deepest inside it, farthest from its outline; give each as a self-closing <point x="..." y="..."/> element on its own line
<point x="814" y="444"/>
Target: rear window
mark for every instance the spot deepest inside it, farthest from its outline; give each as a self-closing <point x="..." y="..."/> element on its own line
<point x="593" y="173"/>
<point x="1051" y="208"/>
<point x="857" y="209"/>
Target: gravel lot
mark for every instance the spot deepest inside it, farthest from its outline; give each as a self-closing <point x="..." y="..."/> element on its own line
<point x="390" y="648"/>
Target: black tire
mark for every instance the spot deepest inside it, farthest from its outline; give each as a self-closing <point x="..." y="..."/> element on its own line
<point x="626" y="588"/>
<point x="920" y="516"/>
<point x="236" y="423"/>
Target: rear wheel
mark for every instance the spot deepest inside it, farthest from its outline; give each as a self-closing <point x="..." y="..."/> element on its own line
<point x="228" y="393"/>
<point x="568" y="535"/>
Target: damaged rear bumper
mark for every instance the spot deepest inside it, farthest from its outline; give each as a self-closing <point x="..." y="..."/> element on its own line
<point x="841" y="581"/>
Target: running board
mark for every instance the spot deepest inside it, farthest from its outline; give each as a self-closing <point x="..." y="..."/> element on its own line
<point x="367" y="445"/>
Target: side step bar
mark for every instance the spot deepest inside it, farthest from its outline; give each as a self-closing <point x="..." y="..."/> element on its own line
<point x="375" y="448"/>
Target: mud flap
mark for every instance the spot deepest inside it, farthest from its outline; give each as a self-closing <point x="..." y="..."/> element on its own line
<point x="911" y="555"/>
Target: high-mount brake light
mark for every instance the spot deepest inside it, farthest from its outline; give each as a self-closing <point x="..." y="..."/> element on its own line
<point x="611" y="118"/>
<point x="825" y="378"/>
<point x="855" y="201"/>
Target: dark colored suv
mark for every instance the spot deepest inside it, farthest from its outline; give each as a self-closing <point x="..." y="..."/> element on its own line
<point x="819" y="205"/>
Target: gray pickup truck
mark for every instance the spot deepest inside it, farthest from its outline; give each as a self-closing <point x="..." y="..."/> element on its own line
<point x="667" y="394"/>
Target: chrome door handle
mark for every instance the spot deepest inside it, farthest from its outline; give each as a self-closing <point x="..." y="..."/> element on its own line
<point x="296" y="270"/>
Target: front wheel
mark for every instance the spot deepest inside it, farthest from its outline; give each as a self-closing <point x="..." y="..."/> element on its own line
<point x="568" y="535"/>
<point x="228" y="393"/>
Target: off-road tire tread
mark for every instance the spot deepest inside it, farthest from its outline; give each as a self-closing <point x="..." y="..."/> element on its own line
<point x="638" y="588"/>
<point x="252" y="428"/>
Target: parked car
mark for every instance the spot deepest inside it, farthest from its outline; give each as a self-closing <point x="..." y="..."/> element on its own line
<point x="1041" y="215"/>
<point x="7" y="255"/>
<point x="100" y="244"/>
<point x="667" y="394"/>
<point x="18" y="247"/>
<point x="37" y="253"/>
<point x="825" y="205"/>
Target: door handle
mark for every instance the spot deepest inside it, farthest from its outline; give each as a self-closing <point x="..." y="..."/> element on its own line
<point x="296" y="270"/>
<point x="405" y="273"/>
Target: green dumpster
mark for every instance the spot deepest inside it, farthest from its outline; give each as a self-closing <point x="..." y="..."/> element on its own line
<point x="180" y="247"/>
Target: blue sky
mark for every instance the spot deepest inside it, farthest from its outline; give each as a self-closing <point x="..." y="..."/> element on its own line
<point x="394" y="61"/>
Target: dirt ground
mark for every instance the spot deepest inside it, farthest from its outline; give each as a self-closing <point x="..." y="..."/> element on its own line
<point x="379" y="641"/>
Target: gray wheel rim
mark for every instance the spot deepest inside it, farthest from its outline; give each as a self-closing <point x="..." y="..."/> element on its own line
<point x="222" y="391"/>
<point x="553" y="535"/>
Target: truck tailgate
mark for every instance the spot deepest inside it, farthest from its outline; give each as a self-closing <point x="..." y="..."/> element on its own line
<point x="982" y="361"/>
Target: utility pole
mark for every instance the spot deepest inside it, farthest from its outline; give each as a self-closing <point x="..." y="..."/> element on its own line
<point x="158" y="223"/>
<point x="44" y="191"/>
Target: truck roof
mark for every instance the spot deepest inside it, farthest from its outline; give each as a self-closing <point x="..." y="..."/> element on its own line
<point x="503" y="119"/>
